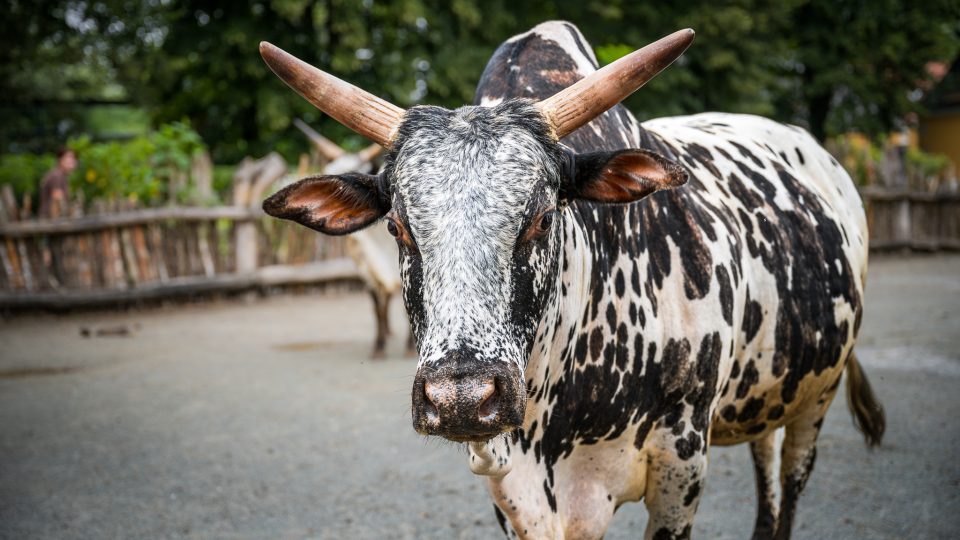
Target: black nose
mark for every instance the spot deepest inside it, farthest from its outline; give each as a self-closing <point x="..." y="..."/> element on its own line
<point x="464" y="399"/>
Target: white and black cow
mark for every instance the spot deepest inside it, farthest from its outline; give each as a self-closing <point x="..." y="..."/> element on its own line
<point x="585" y="323"/>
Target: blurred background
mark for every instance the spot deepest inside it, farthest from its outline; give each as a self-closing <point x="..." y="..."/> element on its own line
<point x="166" y="106"/>
<point x="123" y="81"/>
<point x="138" y="138"/>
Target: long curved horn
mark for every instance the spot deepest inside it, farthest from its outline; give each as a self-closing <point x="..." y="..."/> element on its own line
<point x="589" y="97"/>
<point x="359" y="110"/>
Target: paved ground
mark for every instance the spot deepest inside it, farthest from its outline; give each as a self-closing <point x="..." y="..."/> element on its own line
<point x="265" y="420"/>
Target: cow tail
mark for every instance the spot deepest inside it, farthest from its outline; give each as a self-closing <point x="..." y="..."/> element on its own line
<point x="867" y="412"/>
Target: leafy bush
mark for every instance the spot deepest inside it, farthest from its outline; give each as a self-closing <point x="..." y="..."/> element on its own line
<point x="115" y="170"/>
<point x="150" y="169"/>
<point x="24" y="172"/>
<point x="144" y="169"/>
<point x="881" y="162"/>
<point x="925" y="170"/>
<point x="223" y="181"/>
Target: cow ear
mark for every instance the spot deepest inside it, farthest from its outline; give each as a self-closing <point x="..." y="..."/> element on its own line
<point x="336" y="205"/>
<point x="623" y="176"/>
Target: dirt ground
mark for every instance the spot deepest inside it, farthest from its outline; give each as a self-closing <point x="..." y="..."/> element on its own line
<point x="265" y="419"/>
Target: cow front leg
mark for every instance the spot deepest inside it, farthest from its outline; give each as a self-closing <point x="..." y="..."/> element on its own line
<point x="411" y="343"/>
<point x="504" y="524"/>
<point x="764" y="456"/>
<point x="675" y="480"/>
<point x="379" y="309"/>
<point x="385" y="314"/>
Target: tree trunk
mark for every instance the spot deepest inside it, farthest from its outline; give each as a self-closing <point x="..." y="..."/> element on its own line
<point x="818" y="108"/>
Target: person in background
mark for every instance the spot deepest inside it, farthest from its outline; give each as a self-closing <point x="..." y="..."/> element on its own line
<point x="55" y="186"/>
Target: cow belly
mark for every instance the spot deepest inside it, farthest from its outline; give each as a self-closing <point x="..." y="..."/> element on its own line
<point x="771" y="413"/>
<point x="793" y="361"/>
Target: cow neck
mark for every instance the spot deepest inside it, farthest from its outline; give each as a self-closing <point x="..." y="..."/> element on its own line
<point x="563" y="319"/>
<point x="564" y="312"/>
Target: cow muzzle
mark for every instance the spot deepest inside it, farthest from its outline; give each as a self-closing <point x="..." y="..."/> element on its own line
<point x="466" y="400"/>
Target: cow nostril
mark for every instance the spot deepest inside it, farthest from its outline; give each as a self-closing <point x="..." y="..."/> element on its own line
<point x="491" y="405"/>
<point x="429" y="407"/>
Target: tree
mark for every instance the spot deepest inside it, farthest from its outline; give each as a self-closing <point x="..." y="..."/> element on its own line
<point x="207" y="66"/>
<point x="37" y="53"/>
<point x="859" y="64"/>
<point x="830" y="65"/>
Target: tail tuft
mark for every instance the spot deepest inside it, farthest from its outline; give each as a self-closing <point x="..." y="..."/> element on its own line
<point x="868" y="415"/>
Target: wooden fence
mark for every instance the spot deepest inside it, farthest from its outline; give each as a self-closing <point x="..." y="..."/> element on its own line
<point x="129" y="254"/>
<point x="121" y="253"/>
<point x="156" y="253"/>
<point x="912" y="220"/>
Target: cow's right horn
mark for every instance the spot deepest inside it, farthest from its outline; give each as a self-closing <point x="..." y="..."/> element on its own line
<point x="359" y="110"/>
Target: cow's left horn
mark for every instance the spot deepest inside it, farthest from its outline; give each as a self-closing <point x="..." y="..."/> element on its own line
<point x="589" y="97"/>
<point x="356" y="109"/>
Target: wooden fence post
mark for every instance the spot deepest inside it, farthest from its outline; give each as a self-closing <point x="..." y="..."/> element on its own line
<point x="250" y="180"/>
<point x="902" y="222"/>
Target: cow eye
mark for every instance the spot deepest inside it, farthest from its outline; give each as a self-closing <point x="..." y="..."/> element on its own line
<point x="546" y="220"/>
<point x="392" y="228"/>
<point x="541" y="226"/>
<point x="397" y="230"/>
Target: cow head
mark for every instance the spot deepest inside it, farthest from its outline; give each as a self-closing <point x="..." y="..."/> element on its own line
<point x="475" y="198"/>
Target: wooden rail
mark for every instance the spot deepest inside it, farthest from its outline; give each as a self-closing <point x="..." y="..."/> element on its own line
<point x="21" y="229"/>
<point x="156" y="253"/>
<point x="333" y="270"/>
<point x="912" y="220"/>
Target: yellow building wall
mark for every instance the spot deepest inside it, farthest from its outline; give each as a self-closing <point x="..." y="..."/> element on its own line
<point x="941" y="135"/>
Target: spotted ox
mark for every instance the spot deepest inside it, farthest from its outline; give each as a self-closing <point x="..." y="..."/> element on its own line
<point x="596" y="301"/>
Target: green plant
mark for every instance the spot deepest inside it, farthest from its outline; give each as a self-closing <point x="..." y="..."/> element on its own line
<point x="223" y="181"/>
<point x="924" y="169"/>
<point x="611" y="52"/>
<point x="175" y="145"/>
<point x="24" y="172"/>
<point x="149" y="169"/>
<point x="116" y="170"/>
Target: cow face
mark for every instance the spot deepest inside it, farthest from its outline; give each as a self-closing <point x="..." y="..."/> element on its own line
<point x="476" y="199"/>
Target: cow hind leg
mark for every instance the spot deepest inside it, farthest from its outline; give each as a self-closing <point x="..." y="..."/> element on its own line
<point x="797" y="459"/>
<point x="764" y="456"/>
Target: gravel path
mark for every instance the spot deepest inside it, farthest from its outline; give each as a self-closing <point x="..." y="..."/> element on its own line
<point x="266" y="420"/>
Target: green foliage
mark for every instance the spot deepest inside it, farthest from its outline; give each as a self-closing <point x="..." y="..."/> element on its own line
<point x="142" y="169"/>
<point x="830" y="65"/>
<point x="223" y="181"/>
<point x="864" y="160"/>
<point x="730" y="67"/>
<point x="115" y="170"/>
<point x="57" y="57"/>
<point x="612" y="52"/>
<point x="924" y="168"/>
<point x="24" y="172"/>
<point x="860" y="64"/>
<point x="116" y="121"/>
